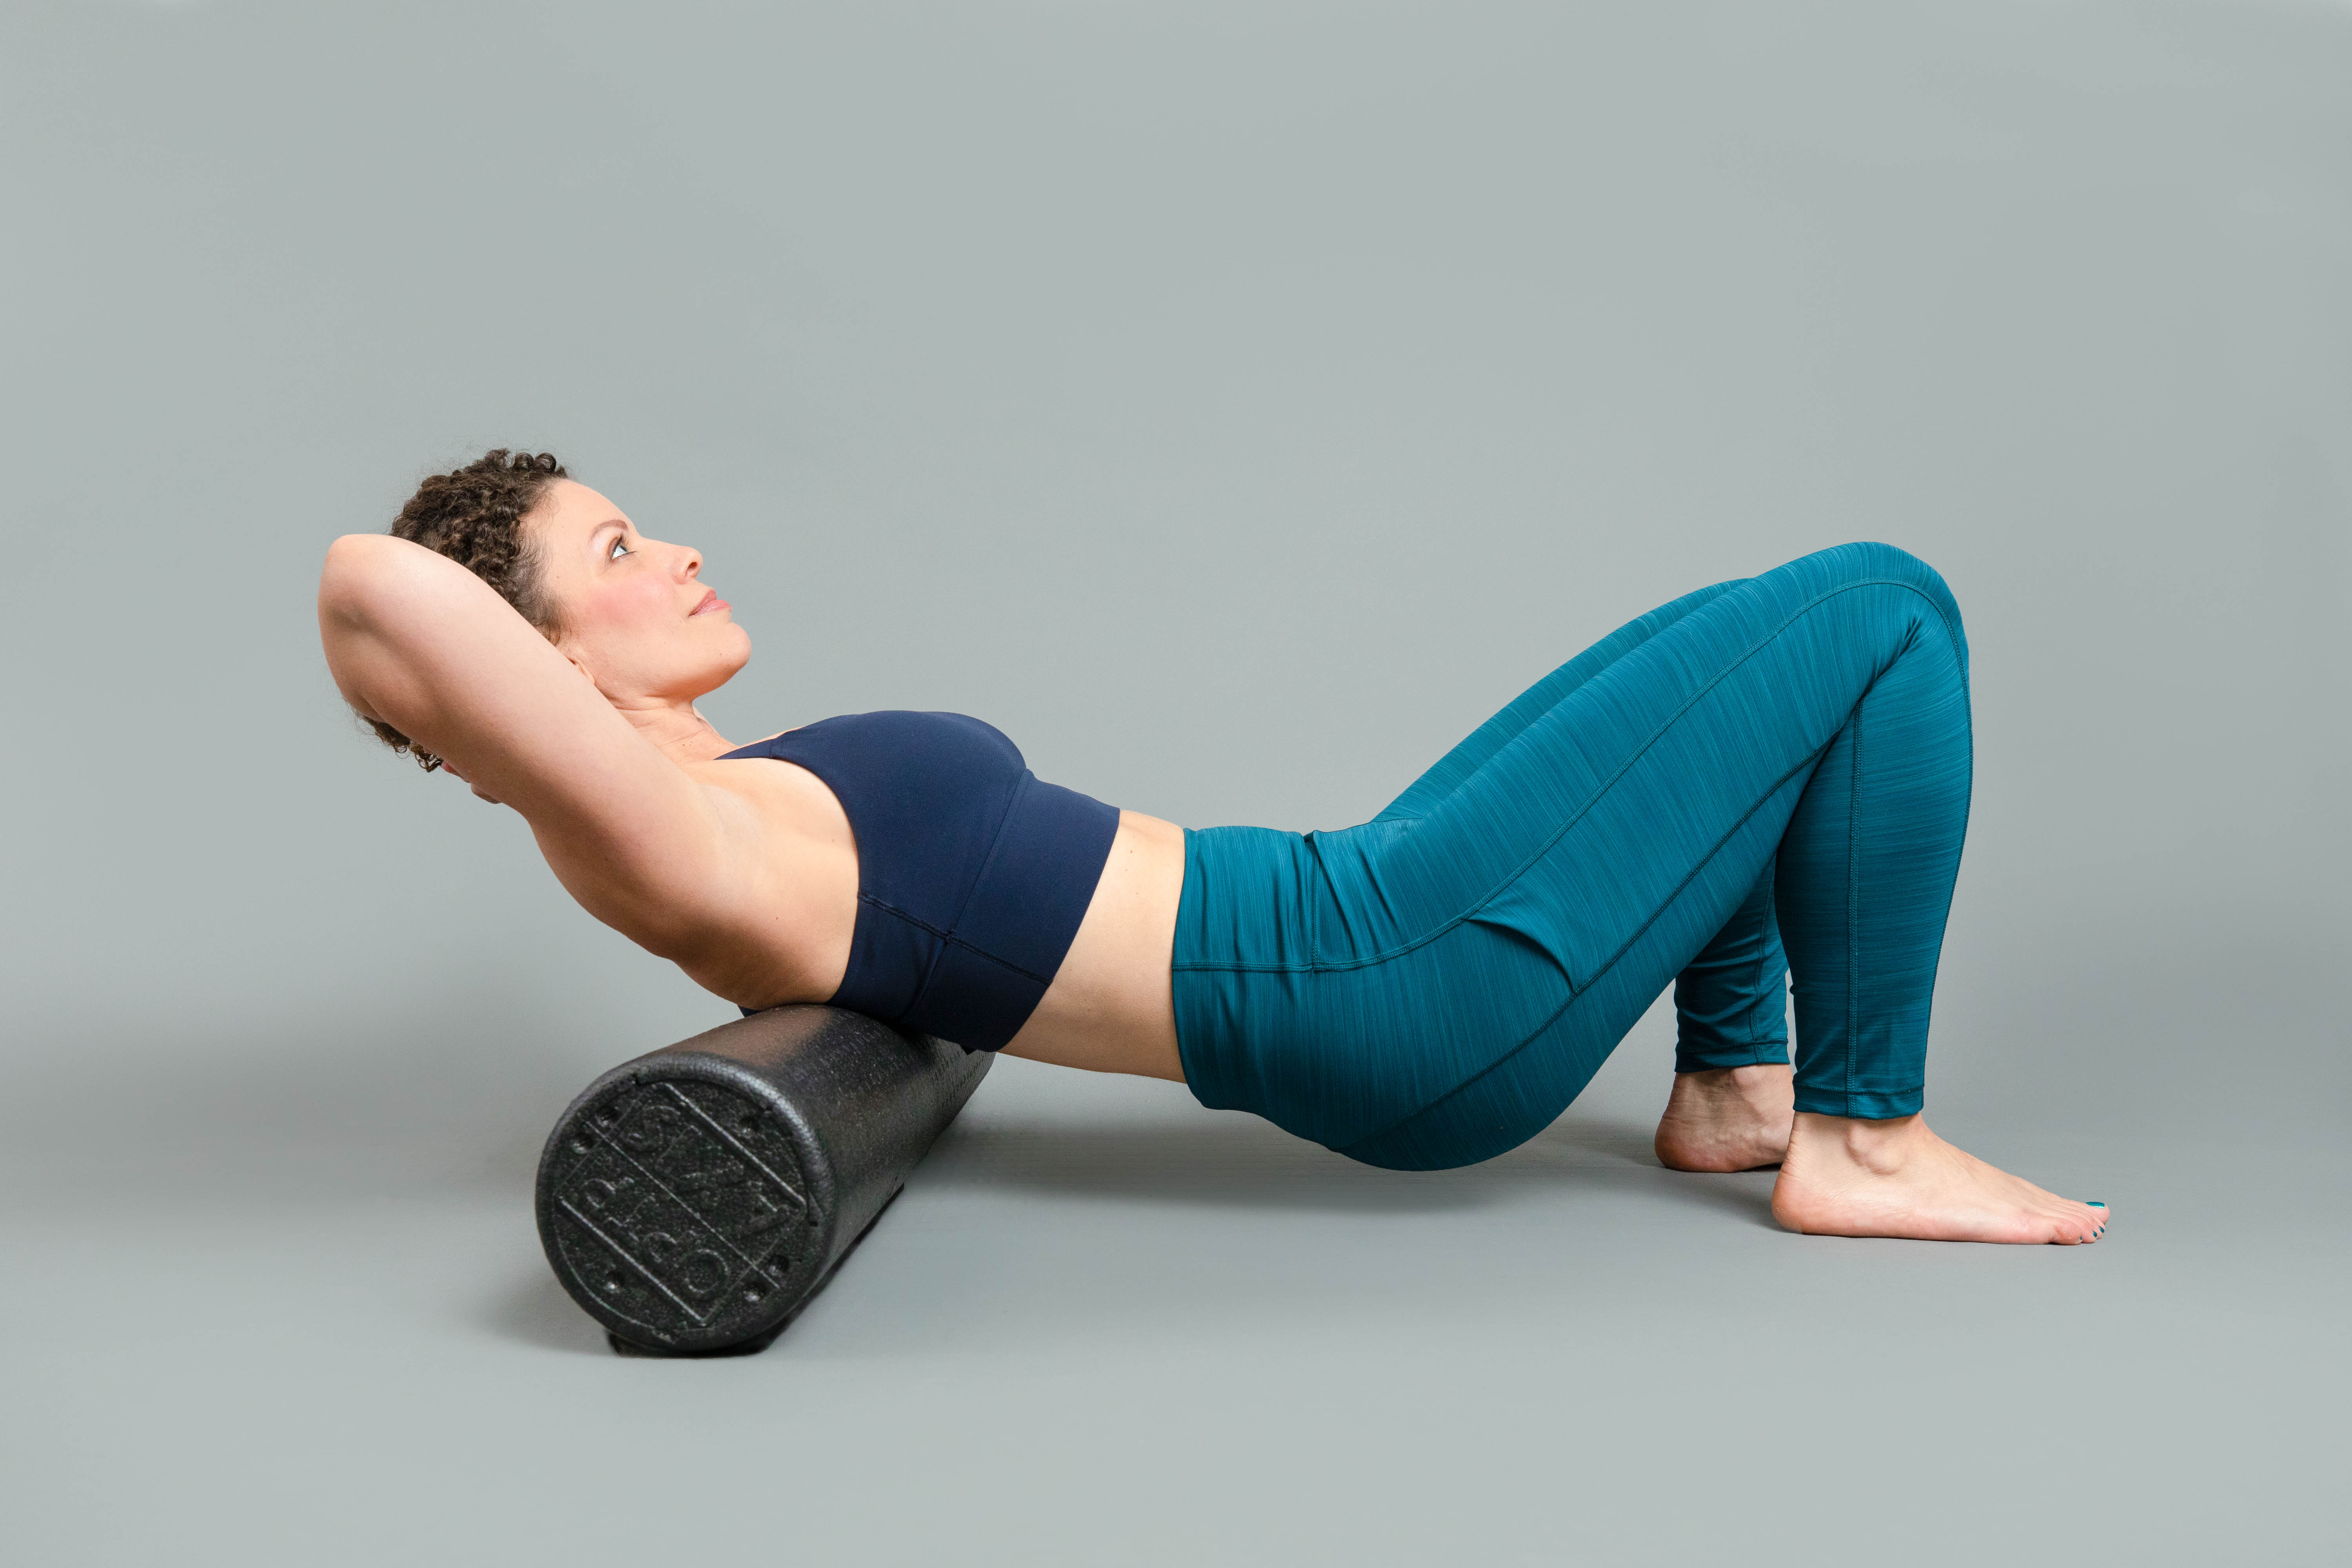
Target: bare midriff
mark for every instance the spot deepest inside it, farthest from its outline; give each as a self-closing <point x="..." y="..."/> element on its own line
<point x="1109" y="1008"/>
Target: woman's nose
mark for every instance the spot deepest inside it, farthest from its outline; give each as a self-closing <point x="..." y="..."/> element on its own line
<point x="689" y="561"/>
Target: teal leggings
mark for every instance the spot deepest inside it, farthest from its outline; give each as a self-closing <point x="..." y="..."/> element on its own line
<point x="1764" y="779"/>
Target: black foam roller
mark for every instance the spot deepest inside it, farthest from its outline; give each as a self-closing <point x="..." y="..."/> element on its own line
<point x="694" y="1199"/>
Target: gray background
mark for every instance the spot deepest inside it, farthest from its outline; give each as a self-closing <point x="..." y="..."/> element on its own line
<point x="1235" y="403"/>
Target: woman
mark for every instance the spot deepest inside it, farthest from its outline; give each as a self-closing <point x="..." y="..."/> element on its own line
<point x="1764" y="777"/>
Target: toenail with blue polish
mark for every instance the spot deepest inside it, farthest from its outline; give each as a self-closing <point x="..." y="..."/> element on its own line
<point x="2093" y="1203"/>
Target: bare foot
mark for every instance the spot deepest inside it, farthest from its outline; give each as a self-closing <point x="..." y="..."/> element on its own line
<point x="1848" y="1177"/>
<point x="1726" y="1119"/>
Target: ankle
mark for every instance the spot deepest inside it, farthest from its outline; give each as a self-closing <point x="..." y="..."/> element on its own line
<point x="1762" y="1076"/>
<point x="1748" y="1080"/>
<point x="1880" y="1147"/>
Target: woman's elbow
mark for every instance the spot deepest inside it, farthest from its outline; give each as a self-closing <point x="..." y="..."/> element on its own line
<point x="352" y="576"/>
<point x="367" y="576"/>
<point x="359" y="592"/>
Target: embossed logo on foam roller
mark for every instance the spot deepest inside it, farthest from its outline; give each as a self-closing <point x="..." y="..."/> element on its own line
<point x="683" y="1202"/>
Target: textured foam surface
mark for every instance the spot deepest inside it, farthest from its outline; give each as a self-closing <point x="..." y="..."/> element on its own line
<point x="693" y="1199"/>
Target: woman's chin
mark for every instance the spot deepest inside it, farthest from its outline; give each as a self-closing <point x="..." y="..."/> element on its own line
<point x="725" y="671"/>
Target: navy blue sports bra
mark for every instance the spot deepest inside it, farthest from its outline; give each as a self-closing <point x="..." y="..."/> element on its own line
<point x="972" y="873"/>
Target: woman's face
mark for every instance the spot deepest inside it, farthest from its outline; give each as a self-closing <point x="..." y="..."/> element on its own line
<point x="631" y="611"/>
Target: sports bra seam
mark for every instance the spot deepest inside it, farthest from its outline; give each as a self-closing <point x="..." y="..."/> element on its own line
<point x="1013" y="798"/>
<point x="988" y="857"/>
<point x="950" y="937"/>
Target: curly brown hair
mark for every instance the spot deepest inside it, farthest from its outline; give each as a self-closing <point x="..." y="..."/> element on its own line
<point x="473" y="516"/>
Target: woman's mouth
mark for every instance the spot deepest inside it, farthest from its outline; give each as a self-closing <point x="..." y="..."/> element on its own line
<point x="710" y="601"/>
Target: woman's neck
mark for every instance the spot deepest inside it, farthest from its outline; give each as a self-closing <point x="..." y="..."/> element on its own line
<point x="677" y="730"/>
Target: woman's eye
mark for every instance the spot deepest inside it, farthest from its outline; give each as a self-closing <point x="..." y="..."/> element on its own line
<point x="617" y="551"/>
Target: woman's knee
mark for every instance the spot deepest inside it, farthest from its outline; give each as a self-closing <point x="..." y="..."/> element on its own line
<point x="1868" y="559"/>
<point x="1867" y="562"/>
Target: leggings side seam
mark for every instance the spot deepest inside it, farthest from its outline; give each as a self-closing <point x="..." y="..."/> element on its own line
<point x="1763" y="951"/>
<point x="1852" y="900"/>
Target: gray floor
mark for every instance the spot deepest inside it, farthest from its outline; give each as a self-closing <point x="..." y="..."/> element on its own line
<point x="1236" y="402"/>
<point x="1104" y="1325"/>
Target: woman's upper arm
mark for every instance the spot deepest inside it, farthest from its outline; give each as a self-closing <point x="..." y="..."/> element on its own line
<point x="416" y="640"/>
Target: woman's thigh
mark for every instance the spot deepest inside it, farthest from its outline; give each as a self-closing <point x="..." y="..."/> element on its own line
<point x="1462" y="763"/>
<point x="1581" y="826"/>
